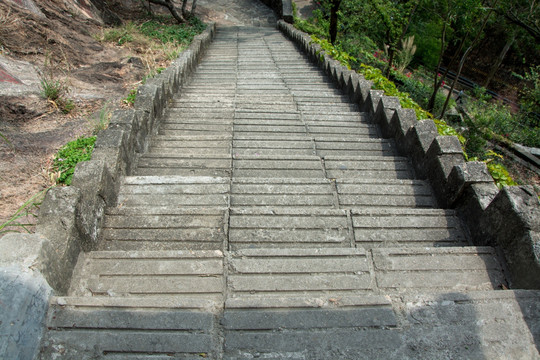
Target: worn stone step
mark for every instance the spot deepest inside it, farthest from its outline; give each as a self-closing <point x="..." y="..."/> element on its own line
<point x="354" y="167"/>
<point x="150" y="273"/>
<point x="352" y="145"/>
<point x="393" y="227"/>
<point x="298" y="272"/>
<point x="183" y="165"/>
<point x="282" y="192"/>
<point x="277" y="166"/>
<point x="166" y="227"/>
<point x="85" y="333"/>
<point x="442" y="269"/>
<point x="287" y="227"/>
<point x="358" y="193"/>
<point x="176" y="191"/>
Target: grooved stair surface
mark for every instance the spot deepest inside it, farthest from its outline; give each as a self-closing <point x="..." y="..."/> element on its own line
<point x="268" y="219"/>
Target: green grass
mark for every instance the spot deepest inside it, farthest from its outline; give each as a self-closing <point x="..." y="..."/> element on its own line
<point x="28" y="209"/>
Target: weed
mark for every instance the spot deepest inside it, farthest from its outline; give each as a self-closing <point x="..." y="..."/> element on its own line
<point x="101" y="121"/>
<point x="28" y="209"/>
<point x="54" y="90"/>
<point x="130" y="99"/>
<point x="70" y="155"/>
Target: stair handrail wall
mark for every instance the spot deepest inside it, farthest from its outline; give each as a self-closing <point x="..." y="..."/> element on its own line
<point x="508" y="219"/>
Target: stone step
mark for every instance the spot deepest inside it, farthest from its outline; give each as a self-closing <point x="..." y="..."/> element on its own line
<point x="165" y="227"/>
<point x="372" y="167"/>
<point x="472" y="325"/>
<point x="293" y="166"/>
<point x="352" y="145"/>
<point x="453" y="269"/>
<point x="276" y="273"/>
<point x="147" y="190"/>
<point x="147" y="273"/>
<point x="364" y="192"/>
<point x="289" y="227"/>
<point x="292" y="272"/>
<point x="273" y="192"/>
<point x="179" y="164"/>
<point x="393" y="227"/>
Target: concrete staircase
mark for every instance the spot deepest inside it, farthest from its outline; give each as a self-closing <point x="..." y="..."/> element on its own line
<point x="268" y="219"/>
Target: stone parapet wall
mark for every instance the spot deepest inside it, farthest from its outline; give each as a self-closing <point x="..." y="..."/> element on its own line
<point x="508" y="219"/>
<point x="70" y="218"/>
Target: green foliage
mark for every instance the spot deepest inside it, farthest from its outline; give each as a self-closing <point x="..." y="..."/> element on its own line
<point x="70" y="155"/>
<point x="121" y="35"/>
<point x="495" y="120"/>
<point x="500" y="174"/>
<point x="130" y="98"/>
<point x="316" y="25"/>
<point x="530" y="93"/>
<point x="496" y="169"/>
<point x="161" y="29"/>
<point x="28" y="209"/>
<point x="334" y="51"/>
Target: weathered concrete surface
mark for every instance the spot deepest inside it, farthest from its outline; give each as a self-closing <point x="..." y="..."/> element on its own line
<point x="24" y="296"/>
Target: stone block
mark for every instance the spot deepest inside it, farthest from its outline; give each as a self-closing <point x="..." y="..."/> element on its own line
<point x="419" y="139"/>
<point x="400" y="124"/>
<point x="372" y="101"/>
<point x="464" y="175"/>
<point x="385" y="111"/>
<point x="444" y="153"/>
<point x="110" y="147"/>
<point x="512" y="222"/>
<point x="343" y="79"/>
<point x="58" y="223"/>
<point x="471" y="206"/>
<point x="98" y="191"/>
<point x="364" y="87"/>
<point x="126" y="121"/>
<point x="353" y="87"/>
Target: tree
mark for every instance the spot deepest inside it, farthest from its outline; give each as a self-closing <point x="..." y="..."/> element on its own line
<point x="464" y="57"/>
<point x="334" y="8"/>
<point x="180" y="17"/>
<point x="396" y="17"/>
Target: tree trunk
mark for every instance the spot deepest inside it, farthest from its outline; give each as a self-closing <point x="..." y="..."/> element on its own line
<point x="193" y="7"/>
<point x="500" y="60"/>
<point x="334" y="20"/>
<point x="168" y="4"/>
<point x="184" y="12"/>
<point x="463" y="58"/>
<point x="436" y="84"/>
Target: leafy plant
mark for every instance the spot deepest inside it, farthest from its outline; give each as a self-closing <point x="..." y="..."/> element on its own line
<point x="70" y="155"/>
<point x="28" y="209"/>
<point x="130" y="98"/>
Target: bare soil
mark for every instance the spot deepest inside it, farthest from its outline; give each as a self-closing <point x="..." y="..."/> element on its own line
<point x="63" y="47"/>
